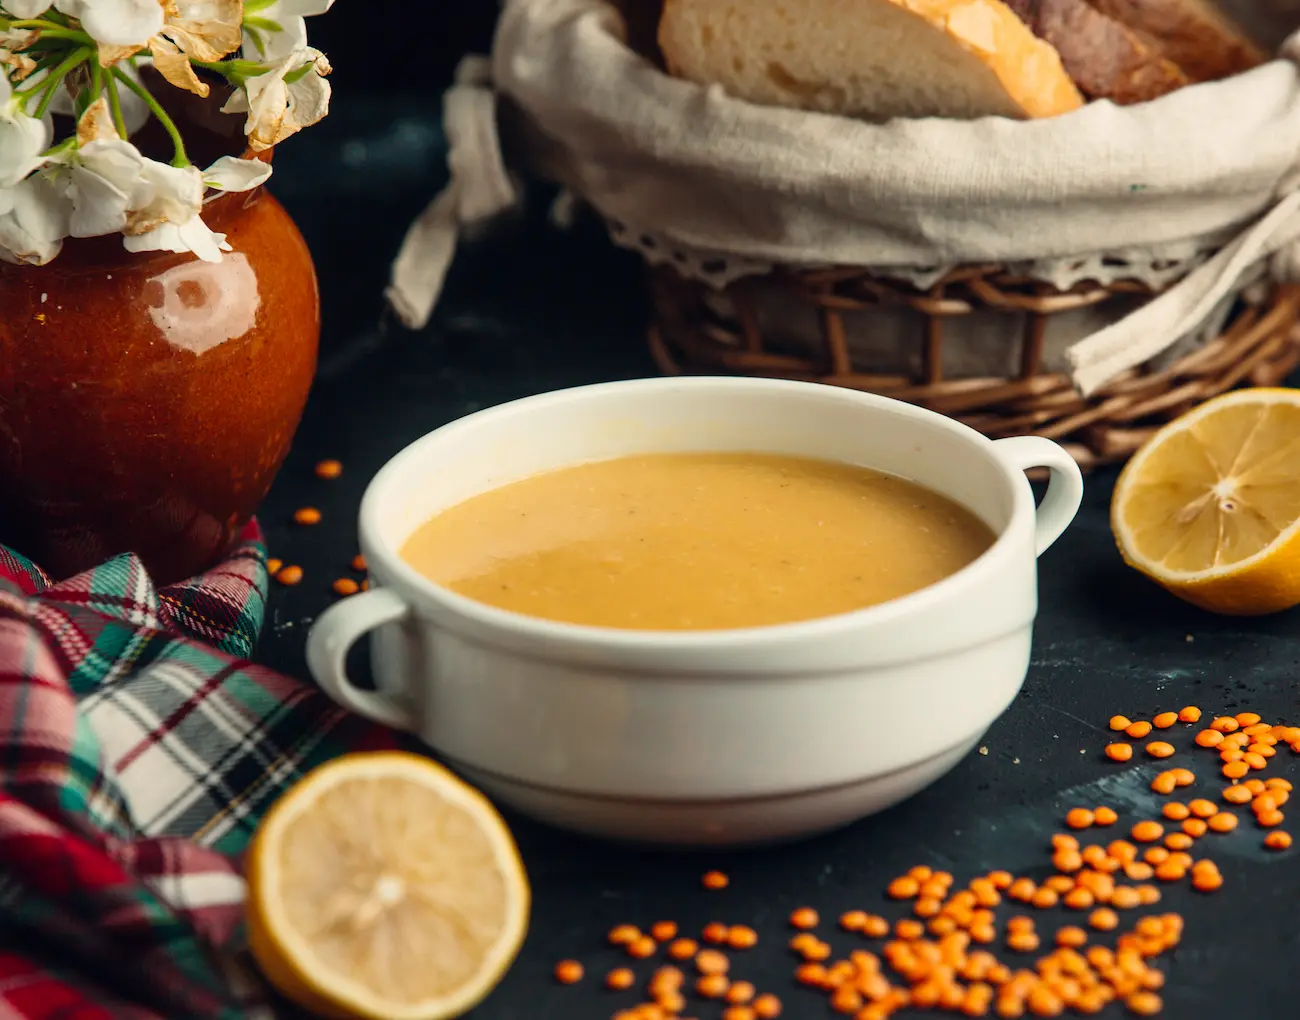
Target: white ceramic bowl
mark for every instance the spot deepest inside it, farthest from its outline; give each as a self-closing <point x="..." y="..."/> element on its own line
<point x="723" y="737"/>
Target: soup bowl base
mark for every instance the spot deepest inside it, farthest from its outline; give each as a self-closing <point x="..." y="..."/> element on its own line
<point x="739" y="822"/>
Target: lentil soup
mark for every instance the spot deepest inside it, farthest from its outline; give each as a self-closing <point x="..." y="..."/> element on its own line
<point x="697" y="541"/>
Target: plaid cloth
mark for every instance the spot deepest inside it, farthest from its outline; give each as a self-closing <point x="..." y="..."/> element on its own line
<point x="141" y="749"/>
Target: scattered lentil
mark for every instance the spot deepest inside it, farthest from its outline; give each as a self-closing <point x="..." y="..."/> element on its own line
<point x="1105" y="816"/>
<point x="1224" y="821"/>
<point x="289" y="576"/>
<point x="568" y="972"/>
<point x="715" y="880"/>
<point x="1164" y="720"/>
<point x="328" y="469"/>
<point x="683" y="949"/>
<point x="642" y="948"/>
<point x="1080" y="818"/>
<point x="742" y="937"/>
<point x="1160" y="749"/>
<point x="1190" y="714"/>
<point x="345" y="586"/>
<point x="715" y="932"/>
<point x="619" y="979"/>
<point x="306" y="516"/>
<point x="663" y="931"/>
<point x="273" y="565"/>
<point x="1119" y="752"/>
<point x="804" y="918"/>
<point x="358" y="562"/>
<point x="1120" y="722"/>
<point x="1278" y="840"/>
<point x="1138" y="730"/>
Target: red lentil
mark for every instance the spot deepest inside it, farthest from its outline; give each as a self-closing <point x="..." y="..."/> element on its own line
<point x="1224" y="821"/>
<point x="715" y="880"/>
<point x="1119" y="752"/>
<point x="683" y="949"/>
<point x="306" y="516"/>
<point x="1164" y="720"/>
<point x="328" y="469"/>
<point x="345" y="586"/>
<point x="1160" y="749"/>
<point x="620" y="979"/>
<point x="358" y="562"/>
<point x="741" y="936"/>
<point x="1278" y="840"/>
<point x="289" y="576"/>
<point x="273" y="566"/>
<point x="568" y="972"/>
<point x="1080" y="818"/>
<point x="1120" y="722"/>
<point x="715" y="932"/>
<point x="642" y="947"/>
<point x="1105" y="816"/>
<point x="1190" y="714"/>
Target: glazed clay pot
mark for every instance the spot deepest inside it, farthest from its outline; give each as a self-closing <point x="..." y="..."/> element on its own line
<point x="148" y="400"/>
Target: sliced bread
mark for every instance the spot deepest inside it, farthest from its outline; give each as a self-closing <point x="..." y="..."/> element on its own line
<point x="1195" y="34"/>
<point x="1106" y="59"/>
<point x="872" y="59"/>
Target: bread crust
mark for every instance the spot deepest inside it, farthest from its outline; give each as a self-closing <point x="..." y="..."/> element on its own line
<point x="1193" y="34"/>
<point x="1106" y="59"/>
<point x="1027" y="76"/>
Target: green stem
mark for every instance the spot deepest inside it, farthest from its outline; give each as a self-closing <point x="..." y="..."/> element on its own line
<point x="51" y="84"/>
<point x="64" y="146"/>
<point x="52" y="30"/>
<point x="180" y="159"/>
<point x="115" y="107"/>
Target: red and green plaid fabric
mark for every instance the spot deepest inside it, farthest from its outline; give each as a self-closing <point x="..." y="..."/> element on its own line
<point x="139" y="750"/>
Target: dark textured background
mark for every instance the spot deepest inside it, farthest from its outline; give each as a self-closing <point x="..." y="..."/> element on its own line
<point x="529" y="310"/>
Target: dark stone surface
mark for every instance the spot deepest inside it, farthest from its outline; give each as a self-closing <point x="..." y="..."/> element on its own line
<point x="530" y="310"/>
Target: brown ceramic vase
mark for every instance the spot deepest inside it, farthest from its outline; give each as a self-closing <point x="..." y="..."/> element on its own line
<point x="148" y="400"/>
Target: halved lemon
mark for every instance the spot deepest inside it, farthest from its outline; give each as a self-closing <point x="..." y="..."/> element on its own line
<point x="1210" y="506"/>
<point x="381" y="886"/>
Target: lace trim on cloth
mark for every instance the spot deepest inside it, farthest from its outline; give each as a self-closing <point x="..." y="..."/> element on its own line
<point x="1156" y="268"/>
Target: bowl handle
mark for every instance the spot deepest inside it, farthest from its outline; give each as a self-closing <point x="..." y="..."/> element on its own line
<point x="337" y="630"/>
<point x="1064" y="487"/>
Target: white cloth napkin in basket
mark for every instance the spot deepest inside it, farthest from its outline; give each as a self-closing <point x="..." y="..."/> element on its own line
<point x="1208" y="168"/>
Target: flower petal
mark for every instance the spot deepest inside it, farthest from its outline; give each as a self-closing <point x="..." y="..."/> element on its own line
<point x="117" y="22"/>
<point x="206" y="29"/>
<point x="232" y="174"/>
<point x="175" y="66"/>
<point x="25" y="9"/>
<point x="192" y="236"/>
<point x="33" y="228"/>
<point x="95" y="123"/>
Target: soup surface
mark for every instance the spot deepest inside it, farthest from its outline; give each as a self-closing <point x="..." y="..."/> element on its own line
<point x="697" y="541"/>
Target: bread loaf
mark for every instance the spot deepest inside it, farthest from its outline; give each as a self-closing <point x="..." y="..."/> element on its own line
<point x="873" y="59"/>
<point x="1106" y="59"/>
<point x="1194" y="34"/>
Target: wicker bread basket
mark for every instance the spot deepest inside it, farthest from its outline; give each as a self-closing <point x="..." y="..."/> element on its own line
<point x="1084" y="277"/>
<point x="698" y="330"/>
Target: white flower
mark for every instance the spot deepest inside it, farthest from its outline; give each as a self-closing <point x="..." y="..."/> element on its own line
<point x="25" y="9"/>
<point x="274" y="31"/>
<point x="278" y="108"/>
<point x="22" y="138"/>
<point x="232" y="174"/>
<point x="204" y="30"/>
<point x="116" y="24"/>
<point x="33" y="221"/>
<point x="191" y="236"/>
